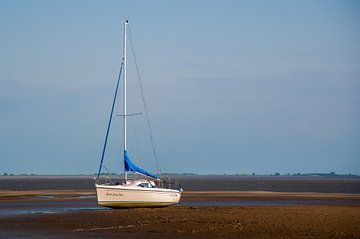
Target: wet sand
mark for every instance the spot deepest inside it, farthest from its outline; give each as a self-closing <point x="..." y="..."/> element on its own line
<point x="38" y="195"/>
<point x="12" y="195"/>
<point x="291" y="221"/>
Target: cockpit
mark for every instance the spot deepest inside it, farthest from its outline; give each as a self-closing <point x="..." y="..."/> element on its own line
<point x="143" y="184"/>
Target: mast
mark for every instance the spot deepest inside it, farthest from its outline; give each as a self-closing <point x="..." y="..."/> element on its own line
<point x="124" y="93"/>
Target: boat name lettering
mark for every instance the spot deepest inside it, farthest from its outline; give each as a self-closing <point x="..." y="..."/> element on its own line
<point x="114" y="194"/>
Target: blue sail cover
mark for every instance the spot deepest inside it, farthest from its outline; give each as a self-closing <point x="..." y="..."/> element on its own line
<point x="129" y="166"/>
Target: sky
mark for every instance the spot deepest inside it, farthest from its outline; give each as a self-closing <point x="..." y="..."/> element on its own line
<point x="230" y="86"/>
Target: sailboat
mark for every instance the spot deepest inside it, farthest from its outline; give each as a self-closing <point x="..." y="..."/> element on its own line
<point x="147" y="191"/>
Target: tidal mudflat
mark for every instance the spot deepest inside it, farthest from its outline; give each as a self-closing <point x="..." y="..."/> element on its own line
<point x="214" y="214"/>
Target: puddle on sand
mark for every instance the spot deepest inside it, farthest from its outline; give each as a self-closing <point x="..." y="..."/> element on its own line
<point x="39" y="207"/>
<point x="43" y="197"/>
<point x="55" y="197"/>
<point x="20" y="212"/>
<point x="87" y="196"/>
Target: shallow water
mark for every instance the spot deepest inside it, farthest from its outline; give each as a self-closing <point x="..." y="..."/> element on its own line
<point x="199" y="183"/>
<point x="39" y="207"/>
<point x="42" y="207"/>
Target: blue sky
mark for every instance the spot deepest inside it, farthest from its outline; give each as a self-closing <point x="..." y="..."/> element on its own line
<point x="231" y="86"/>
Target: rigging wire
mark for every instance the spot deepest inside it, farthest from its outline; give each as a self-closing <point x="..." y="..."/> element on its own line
<point x="109" y="124"/>
<point x="110" y="171"/>
<point x="143" y="99"/>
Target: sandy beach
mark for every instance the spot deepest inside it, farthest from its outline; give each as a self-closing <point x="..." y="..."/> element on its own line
<point x="300" y="220"/>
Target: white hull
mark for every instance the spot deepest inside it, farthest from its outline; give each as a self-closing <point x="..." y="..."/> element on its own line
<point x="119" y="196"/>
